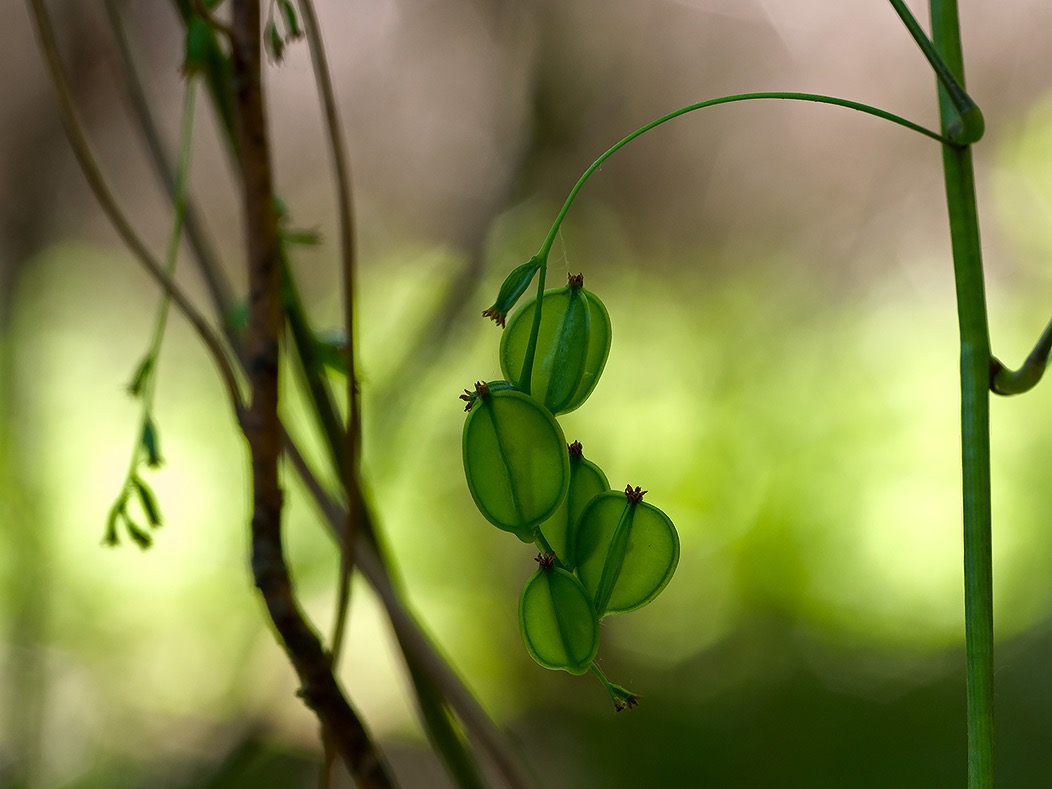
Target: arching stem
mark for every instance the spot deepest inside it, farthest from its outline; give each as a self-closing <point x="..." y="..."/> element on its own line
<point x="545" y="249"/>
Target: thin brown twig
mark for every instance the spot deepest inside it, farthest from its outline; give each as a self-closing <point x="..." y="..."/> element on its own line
<point x="352" y="445"/>
<point x="345" y="209"/>
<point x="97" y="182"/>
<point x="262" y="425"/>
<point x="352" y="442"/>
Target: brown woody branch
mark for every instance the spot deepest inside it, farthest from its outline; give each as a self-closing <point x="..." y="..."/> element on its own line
<point x="261" y="423"/>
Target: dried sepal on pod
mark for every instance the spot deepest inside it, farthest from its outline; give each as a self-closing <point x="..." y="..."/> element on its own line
<point x="558" y="621"/>
<point x="587" y="481"/>
<point x="572" y="345"/>
<point x="626" y="550"/>
<point x="515" y="459"/>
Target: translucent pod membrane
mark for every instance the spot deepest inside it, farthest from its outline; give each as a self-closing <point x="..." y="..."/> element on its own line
<point x="515" y="460"/>
<point x="626" y="551"/>
<point x="572" y="346"/>
<point x="587" y="481"/>
<point x="558" y="622"/>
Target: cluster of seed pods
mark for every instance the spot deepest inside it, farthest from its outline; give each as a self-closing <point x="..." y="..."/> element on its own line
<point x="603" y="551"/>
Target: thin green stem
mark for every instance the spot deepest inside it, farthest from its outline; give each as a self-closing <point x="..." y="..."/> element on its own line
<point x="182" y="174"/>
<point x="100" y="189"/>
<point x="623" y="698"/>
<point x="543" y="544"/>
<point x="975" y="413"/>
<point x="145" y="383"/>
<point x="205" y="256"/>
<point x="546" y="246"/>
<point x="1011" y="382"/>
<point x="784" y="96"/>
<point x="969" y="126"/>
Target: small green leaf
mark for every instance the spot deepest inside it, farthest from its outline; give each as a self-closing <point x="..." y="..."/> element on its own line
<point x="587" y="481"/>
<point x="142" y="374"/>
<point x="558" y="623"/>
<point x="148" y="501"/>
<point x="626" y="551"/>
<point x="515" y="460"/>
<point x="110" y="537"/>
<point x="139" y="536"/>
<point x="292" y="22"/>
<point x="274" y="43"/>
<point x="149" y="443"/>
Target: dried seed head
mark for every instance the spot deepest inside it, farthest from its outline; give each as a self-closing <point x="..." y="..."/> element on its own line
<point x="627" y="703"/>
<point x="481" y="390"/>
<point x="634" y="495"/>
<point x="495" y="315"/>
<point x="545" y="560"/>
<point x="575" y="280"/>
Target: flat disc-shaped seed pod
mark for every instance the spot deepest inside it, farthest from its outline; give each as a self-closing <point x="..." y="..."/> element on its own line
<point x="567" y="364"/>
<point x="515" y="461"/>
<point x="626" y="552"/>
<point x="559" y="625"/>
<point x="587" y="480"/>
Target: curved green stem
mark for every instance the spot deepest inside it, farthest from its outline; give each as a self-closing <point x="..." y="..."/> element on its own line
<point x="782" y="95"/>
<point x="1011" y="382"/>
<point x="543" y="252"/>
<point x="975" y="413"/>
<point x="969" y="126"/>
<point x="543" y="545"/>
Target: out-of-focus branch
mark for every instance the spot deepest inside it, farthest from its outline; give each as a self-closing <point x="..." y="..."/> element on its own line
<point x="93" y="174"/>
<point x="352" y="434"/>
<point x="415" y="643"/>
<point x="262" y="426"/>
<point x="207" y="259"/>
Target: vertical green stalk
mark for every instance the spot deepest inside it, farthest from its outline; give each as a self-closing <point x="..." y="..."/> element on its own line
<point x="975" y="412"/>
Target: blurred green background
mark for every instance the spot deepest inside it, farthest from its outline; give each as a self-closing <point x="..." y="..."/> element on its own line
<point x="782" y="380"/>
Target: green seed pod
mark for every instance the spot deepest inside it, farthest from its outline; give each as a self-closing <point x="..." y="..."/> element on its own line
<point x="558" y="623"/>
<point x="626" y="551"/>
<point x="587" y="480"/>
<point x="572" y="346"/>
<point x="515" y="459"/>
